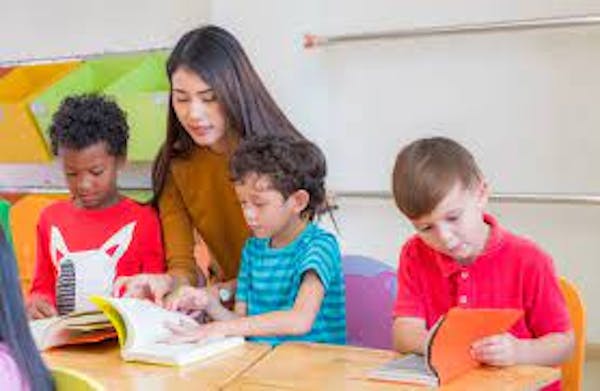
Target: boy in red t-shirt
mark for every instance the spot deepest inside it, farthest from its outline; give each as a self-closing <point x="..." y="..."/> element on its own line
<point x="460" y="256"/>
<point x="84" y="243"/>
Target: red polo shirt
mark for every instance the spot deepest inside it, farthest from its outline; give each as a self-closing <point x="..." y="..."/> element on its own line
<point x="511" y="272"/>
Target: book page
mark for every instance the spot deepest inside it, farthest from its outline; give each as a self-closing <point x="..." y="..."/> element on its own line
<point x="40" y="329"/>
<point x="182" y="353"/>
<point x="145" y="321"/>
<point x="411" y="369"/>
<point x="75" y="328"/>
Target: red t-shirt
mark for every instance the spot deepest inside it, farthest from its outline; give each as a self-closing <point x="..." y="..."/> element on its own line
<point x="511" y="272"/>
<point x="127" y="232"/>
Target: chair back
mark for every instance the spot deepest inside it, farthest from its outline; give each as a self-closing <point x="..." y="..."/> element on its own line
<point x="66" y="379"/>
<point x="370" y="295"/>
<point x="4" y="219"/>
<point x="24" y="216"/>
<point x="572" y="370"/>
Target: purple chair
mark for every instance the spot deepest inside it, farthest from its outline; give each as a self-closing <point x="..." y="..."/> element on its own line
<point x="370" y="295"/>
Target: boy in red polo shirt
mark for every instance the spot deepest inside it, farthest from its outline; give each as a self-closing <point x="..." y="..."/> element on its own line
<point x="462" y="257"/>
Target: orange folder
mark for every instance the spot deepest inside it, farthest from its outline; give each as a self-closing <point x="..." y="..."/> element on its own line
<point x="450" y="342"/>
<point x="448" y="347"/>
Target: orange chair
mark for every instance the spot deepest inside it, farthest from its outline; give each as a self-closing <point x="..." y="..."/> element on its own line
<point x="24" y="215"/>
<point x="572" y="370"/>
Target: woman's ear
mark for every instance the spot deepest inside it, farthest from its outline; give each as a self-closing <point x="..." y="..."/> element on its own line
<point x="299" y="200"/>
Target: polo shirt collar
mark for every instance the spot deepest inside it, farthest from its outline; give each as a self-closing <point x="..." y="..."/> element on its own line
<point x="449" y="266"/>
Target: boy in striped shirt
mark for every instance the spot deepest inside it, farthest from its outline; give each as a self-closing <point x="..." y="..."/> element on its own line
<point x="290" y="284"/>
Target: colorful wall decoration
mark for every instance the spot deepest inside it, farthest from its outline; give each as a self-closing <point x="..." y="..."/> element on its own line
<point x="30" y="94"/>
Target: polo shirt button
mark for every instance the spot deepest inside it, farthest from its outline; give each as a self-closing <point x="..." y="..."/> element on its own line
<point x="464" y="275"/>
<point x="462" y="299"/>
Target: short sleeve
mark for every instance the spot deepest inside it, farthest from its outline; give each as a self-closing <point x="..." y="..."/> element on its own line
<point x="409" y="299"/>
<point x="545" y="307"/>
<point x="323" y="258"/>
<point x="243" y="279"/>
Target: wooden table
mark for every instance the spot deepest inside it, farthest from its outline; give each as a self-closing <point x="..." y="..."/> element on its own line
<point x="103" y="363"/>
<point x="302" y="366"/>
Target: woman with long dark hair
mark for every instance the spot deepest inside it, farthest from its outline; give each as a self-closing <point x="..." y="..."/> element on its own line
<point x="21" y="367"/>
<point x="216" y="100"/>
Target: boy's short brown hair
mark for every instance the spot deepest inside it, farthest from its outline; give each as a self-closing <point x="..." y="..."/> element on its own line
<point x="426" y="170"/>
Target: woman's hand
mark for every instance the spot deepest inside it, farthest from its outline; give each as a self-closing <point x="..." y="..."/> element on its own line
<point x="145" y="286"/>
<point x="189" y="300"/>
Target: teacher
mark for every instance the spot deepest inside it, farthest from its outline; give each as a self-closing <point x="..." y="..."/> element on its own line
<point x="216" y="100"/>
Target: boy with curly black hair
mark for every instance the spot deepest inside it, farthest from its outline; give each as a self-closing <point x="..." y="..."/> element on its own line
<point x="84" y="243"/>
<point x="290" y="285"/>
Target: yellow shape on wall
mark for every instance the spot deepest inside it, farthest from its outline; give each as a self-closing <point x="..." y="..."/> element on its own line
<point x="20" y="139"/>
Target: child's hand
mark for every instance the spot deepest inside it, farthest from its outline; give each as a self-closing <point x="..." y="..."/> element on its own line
<point x="498" y="350"/>
<point x="39" y="308"/>
<point x="189" y="300"/>
<point x="190" y="333"/>
<point x="144" y="286"/>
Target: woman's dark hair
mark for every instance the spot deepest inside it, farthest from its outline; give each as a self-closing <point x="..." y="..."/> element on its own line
<point x="14" y="328"/>
<point x="218" y="58"/>
<point x="290" y="165"/>
<point x="84" y="120"/>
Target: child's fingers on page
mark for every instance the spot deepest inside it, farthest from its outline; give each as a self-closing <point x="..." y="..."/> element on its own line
<point x="36" y="313"/>
<point x="178" y="328"/>
<point x="178" y="339"/>
<point x="121" y="284"/>
<point x="48" y="309"/>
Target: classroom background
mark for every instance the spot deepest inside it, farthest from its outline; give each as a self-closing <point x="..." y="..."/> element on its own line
<point x="523" y="101"/>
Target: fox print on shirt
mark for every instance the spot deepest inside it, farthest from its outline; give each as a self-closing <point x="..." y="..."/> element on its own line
<point x="84" y="273"/>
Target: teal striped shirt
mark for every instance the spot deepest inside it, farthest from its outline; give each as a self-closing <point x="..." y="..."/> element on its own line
<point x="269" y="280"/>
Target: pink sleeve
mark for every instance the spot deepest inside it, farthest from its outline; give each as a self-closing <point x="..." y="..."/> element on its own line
<point x="10" y="376"/>
<point x="545" y="307"/>
<point x="409" y="300"/>
<point x="44" y="279"/>
<point x="153" y="256"/>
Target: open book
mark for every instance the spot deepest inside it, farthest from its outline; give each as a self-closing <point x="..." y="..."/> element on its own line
<point x="140" y="326"/>
<point x="75" y="328"/>
<point x="447" y="350"/>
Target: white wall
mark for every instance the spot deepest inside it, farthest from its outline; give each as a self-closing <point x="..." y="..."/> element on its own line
<point x="344" y="98"/>
<point x="501" y="93"/>
<point x="43" y="29"/>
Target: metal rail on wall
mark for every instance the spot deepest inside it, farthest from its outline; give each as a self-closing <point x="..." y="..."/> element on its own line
<point x="312" y="40"/>
<point x="48" y="178"/>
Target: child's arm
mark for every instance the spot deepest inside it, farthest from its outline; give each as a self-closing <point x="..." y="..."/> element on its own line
<point x="506" y="349"/>
<point x="296" y="321"/>
<point x="42" y="293"/>
<point x="409" y="335"/>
